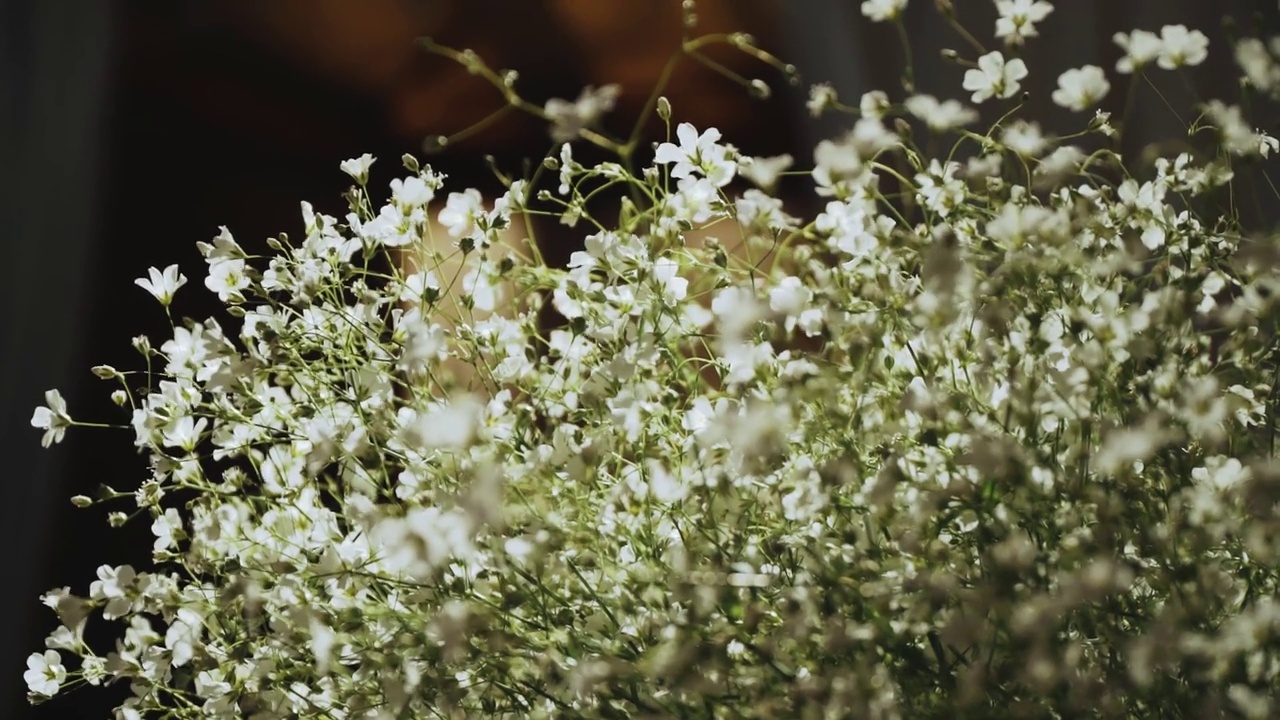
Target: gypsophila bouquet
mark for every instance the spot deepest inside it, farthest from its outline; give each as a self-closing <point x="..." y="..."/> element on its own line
<point x="990" y="434"/>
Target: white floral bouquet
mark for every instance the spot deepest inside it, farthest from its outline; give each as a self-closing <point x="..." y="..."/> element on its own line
<point x="991" y="435"/>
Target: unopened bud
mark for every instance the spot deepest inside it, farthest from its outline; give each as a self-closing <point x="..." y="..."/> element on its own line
<point x="142" y="344"/>
<point x="81" y="501"/>
<point x="664" y="108"/>
<point x="434" y="144"/>
<point x="117" y="519"/>
<point x="119" y="397"/>
<point x="760" y="89"/>
<point x="946" y="8"/>
<point x="106" y="372"/>
<point x="949" y="54"/>
<point x="410" y="163"/>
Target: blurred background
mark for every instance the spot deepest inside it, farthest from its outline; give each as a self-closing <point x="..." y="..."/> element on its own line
<point x="131" y="130"/>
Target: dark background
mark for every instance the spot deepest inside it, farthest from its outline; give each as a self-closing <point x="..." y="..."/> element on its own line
<point x="131" y="130"/>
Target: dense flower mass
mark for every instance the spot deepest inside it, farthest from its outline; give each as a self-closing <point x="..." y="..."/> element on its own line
<point x="990" y="434"/>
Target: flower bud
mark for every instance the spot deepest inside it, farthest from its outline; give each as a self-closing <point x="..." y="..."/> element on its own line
<point x="760" y="89"/>
<point x="117" y="519"/>
<point x="664" y="108"/>
<point x="434" y="143"/>
<point x="119" y="397"/>
<point x="106" y="372"/>
<point x="81" y="501"/>
<point x="142" y="344"/>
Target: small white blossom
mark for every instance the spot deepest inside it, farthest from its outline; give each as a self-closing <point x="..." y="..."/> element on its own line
<point x="1081" y="88"/>
<point x="1140" y="48"/>
<point x="162" y="285"/>
<point x="358" y="168"/>
<point x="940" y="116"/>
<point x="462" y="213"/>
<point x="227" y="278"/>
<point x="994" y="77"/>
<point x="1018" y="18"/>
<point x="764" y="172"/>
<point x="822" y="97"/>
<point x="1180" y="47"/>
<point x="883" y="10"/>
<point x="52" y="418"/>
<point x="874" y="104"/>
<point x="45" y="673"/>
<point x="568" y="119"/>
<point x="700" y="153"/>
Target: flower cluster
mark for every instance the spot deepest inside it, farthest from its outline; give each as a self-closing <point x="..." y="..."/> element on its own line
<point x="991" y="434"/>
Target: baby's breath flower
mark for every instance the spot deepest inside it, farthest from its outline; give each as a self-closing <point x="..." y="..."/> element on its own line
<point x="1180" y="47"/>
<point x="568" y="119"/>
<point x="940" y="116"/>
<point x="1017" y="19"/>
<point x="883" y="10"/>
<point x="45" y="673"/>
<point x="358" y="168"/>
<point x="1140" y="47"/>
<point x="1081" y="88"/>
<point x="162" y="285"/>
<point x="700" y="153"/>
<point x="822" y="97"/>
<point x="995" y="77"/>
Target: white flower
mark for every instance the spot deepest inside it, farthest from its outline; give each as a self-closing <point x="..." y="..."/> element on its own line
<point x="45" y="673"/>
<point x="165" y="528"/>
<point x="940" y="116"/>
<point x="697" y="152"/>
<point x="412" y="192"/>
<point x="1260" y="68"/>
<point x="667" y="272"/>
<point x="452" y="426"/>
<point x="185" y="432"/>
<point x="1018" y="18"/>
<point x="223" y="246"/>
<point x="1221" y="473"/>
<point x="822" y="97"/>
<point x="1180" y="47"/>
<point x="994" y="77"/>
<point x="789" y="296"/>
<point x="570" y="118"/>
<point x="52" y="418"/>
<point x="764" y="172"/>
<point x="940" y="190"/>
<point x="1237" y="137"/>
<point x="1061" y="162"/>
<point x="1024" y="138"/>
<point x="162" y="285"/>
<point x="1080" y="88"/>
<point x="227" y="278"/>
<point x="358" y="168"/>
<point x="1140" y="47"/>
<point x="874" y="104"/>
<point x="881" y="10"/>
<point x="461" y="212"/>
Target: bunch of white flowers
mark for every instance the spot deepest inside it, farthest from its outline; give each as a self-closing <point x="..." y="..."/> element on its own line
<point x="991" y="435"/>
